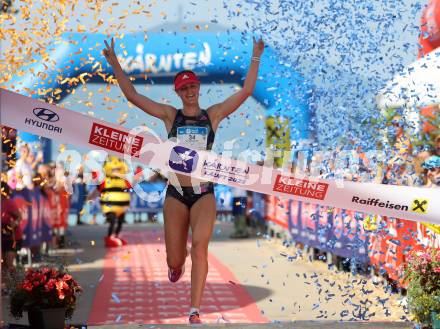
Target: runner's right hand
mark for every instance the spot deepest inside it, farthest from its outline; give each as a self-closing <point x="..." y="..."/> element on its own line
<point x="109" y="52"/>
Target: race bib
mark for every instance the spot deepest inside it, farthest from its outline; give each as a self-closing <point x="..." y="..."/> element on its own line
<point x="192" y="137"/>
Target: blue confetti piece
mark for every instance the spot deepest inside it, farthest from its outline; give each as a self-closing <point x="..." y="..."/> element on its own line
<point x="116" y="298"/>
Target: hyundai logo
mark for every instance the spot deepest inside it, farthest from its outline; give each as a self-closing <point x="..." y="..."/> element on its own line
<point x="46" y="114"/>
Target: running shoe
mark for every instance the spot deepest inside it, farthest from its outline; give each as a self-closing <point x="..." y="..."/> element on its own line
<point x="111" y="241"/>
<point x="175" y="275"/>
<point x="194" y="318"/>
<point x="124" y="242"/>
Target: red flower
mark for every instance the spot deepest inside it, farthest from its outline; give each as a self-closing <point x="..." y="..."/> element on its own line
<point x="50" y="285"/>
<point x="67" y="277"/>
<point x="60" y="286"/>
<point x="27" y="286"/>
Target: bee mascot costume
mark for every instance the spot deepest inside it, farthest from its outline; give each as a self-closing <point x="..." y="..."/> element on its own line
<point x="115" y="199"/>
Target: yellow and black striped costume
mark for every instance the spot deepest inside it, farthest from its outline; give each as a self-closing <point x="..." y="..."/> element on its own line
<point x="115" y="196"/>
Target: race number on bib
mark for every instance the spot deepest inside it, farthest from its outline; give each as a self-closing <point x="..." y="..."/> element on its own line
<point x="195" y="138"/>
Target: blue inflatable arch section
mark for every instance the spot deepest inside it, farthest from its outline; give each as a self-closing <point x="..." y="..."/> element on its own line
<point x="156" y="57"/>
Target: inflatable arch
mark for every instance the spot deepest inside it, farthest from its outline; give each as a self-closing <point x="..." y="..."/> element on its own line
<point x="156" y="57"/>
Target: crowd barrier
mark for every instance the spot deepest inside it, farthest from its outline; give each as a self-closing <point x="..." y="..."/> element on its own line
<point x="42" y="213"/>
<point x="384" y="245"/>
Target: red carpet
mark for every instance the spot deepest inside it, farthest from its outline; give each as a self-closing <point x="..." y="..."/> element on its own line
<point x="134" y="288"/>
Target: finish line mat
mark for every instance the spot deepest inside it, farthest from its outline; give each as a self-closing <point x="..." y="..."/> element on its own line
<point x="134" y="288"/>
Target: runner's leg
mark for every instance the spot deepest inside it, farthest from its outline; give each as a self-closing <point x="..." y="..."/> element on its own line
<point x="202" y="220"/>
<point x="176" y="225"/>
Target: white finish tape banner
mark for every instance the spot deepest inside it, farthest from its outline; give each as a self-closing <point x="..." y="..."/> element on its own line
<point x="34" y="116"/>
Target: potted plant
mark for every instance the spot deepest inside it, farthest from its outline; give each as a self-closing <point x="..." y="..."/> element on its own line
<point x="422" y="273"/>
<point x="47" y="294"/>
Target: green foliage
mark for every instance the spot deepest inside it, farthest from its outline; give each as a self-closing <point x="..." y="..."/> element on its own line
<point x="419" y="140"/>
<point x="428" y="138"/>
<point x="422" y="273"/>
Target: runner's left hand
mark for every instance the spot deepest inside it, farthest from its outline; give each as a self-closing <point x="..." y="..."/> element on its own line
<point x="258" y="47"/>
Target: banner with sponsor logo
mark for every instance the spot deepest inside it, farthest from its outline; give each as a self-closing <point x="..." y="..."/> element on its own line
<point x="418" y="204"/>
<point x="390" y="243"/>
<point x="334" y="230"/>
<point x="35" y="212"/>
<point x="278" y="138"/>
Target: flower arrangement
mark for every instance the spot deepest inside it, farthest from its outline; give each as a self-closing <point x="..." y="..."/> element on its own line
<point x="45" y="288"/>
<point x="422" y="272"/>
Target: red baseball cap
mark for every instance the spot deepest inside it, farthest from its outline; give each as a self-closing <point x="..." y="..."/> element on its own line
<point x="185" y="77"/>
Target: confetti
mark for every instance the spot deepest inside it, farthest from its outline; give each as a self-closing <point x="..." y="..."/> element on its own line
<point x="115" y="298"/>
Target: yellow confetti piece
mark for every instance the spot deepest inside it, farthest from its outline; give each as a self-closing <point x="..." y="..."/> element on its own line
<point x="122" y="118"/>
<point x="126" y="257"/>
<point x="92" y="242"/>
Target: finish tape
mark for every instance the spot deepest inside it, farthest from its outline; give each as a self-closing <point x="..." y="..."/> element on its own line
<point x="50" y="121"/>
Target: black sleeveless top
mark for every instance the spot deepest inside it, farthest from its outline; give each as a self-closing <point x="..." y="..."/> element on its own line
<point x="193" y="131"/>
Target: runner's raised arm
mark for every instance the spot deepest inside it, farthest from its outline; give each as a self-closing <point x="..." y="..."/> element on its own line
<point x="220" y="111"/>
<point x="158" y="110"/>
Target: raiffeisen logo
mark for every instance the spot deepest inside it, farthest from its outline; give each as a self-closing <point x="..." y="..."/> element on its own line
<point x="419" y="206"/>
<point x="300" y="187"/>
<point x="146" y="62"/>
<point x="43" y="119"/>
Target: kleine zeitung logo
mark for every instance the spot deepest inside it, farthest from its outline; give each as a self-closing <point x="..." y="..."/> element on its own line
<point x="300" y="187"/>
<point x="115" y="140"/>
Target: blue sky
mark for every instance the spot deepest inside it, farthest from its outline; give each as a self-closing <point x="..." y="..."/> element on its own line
<point x="346" y="50"/>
